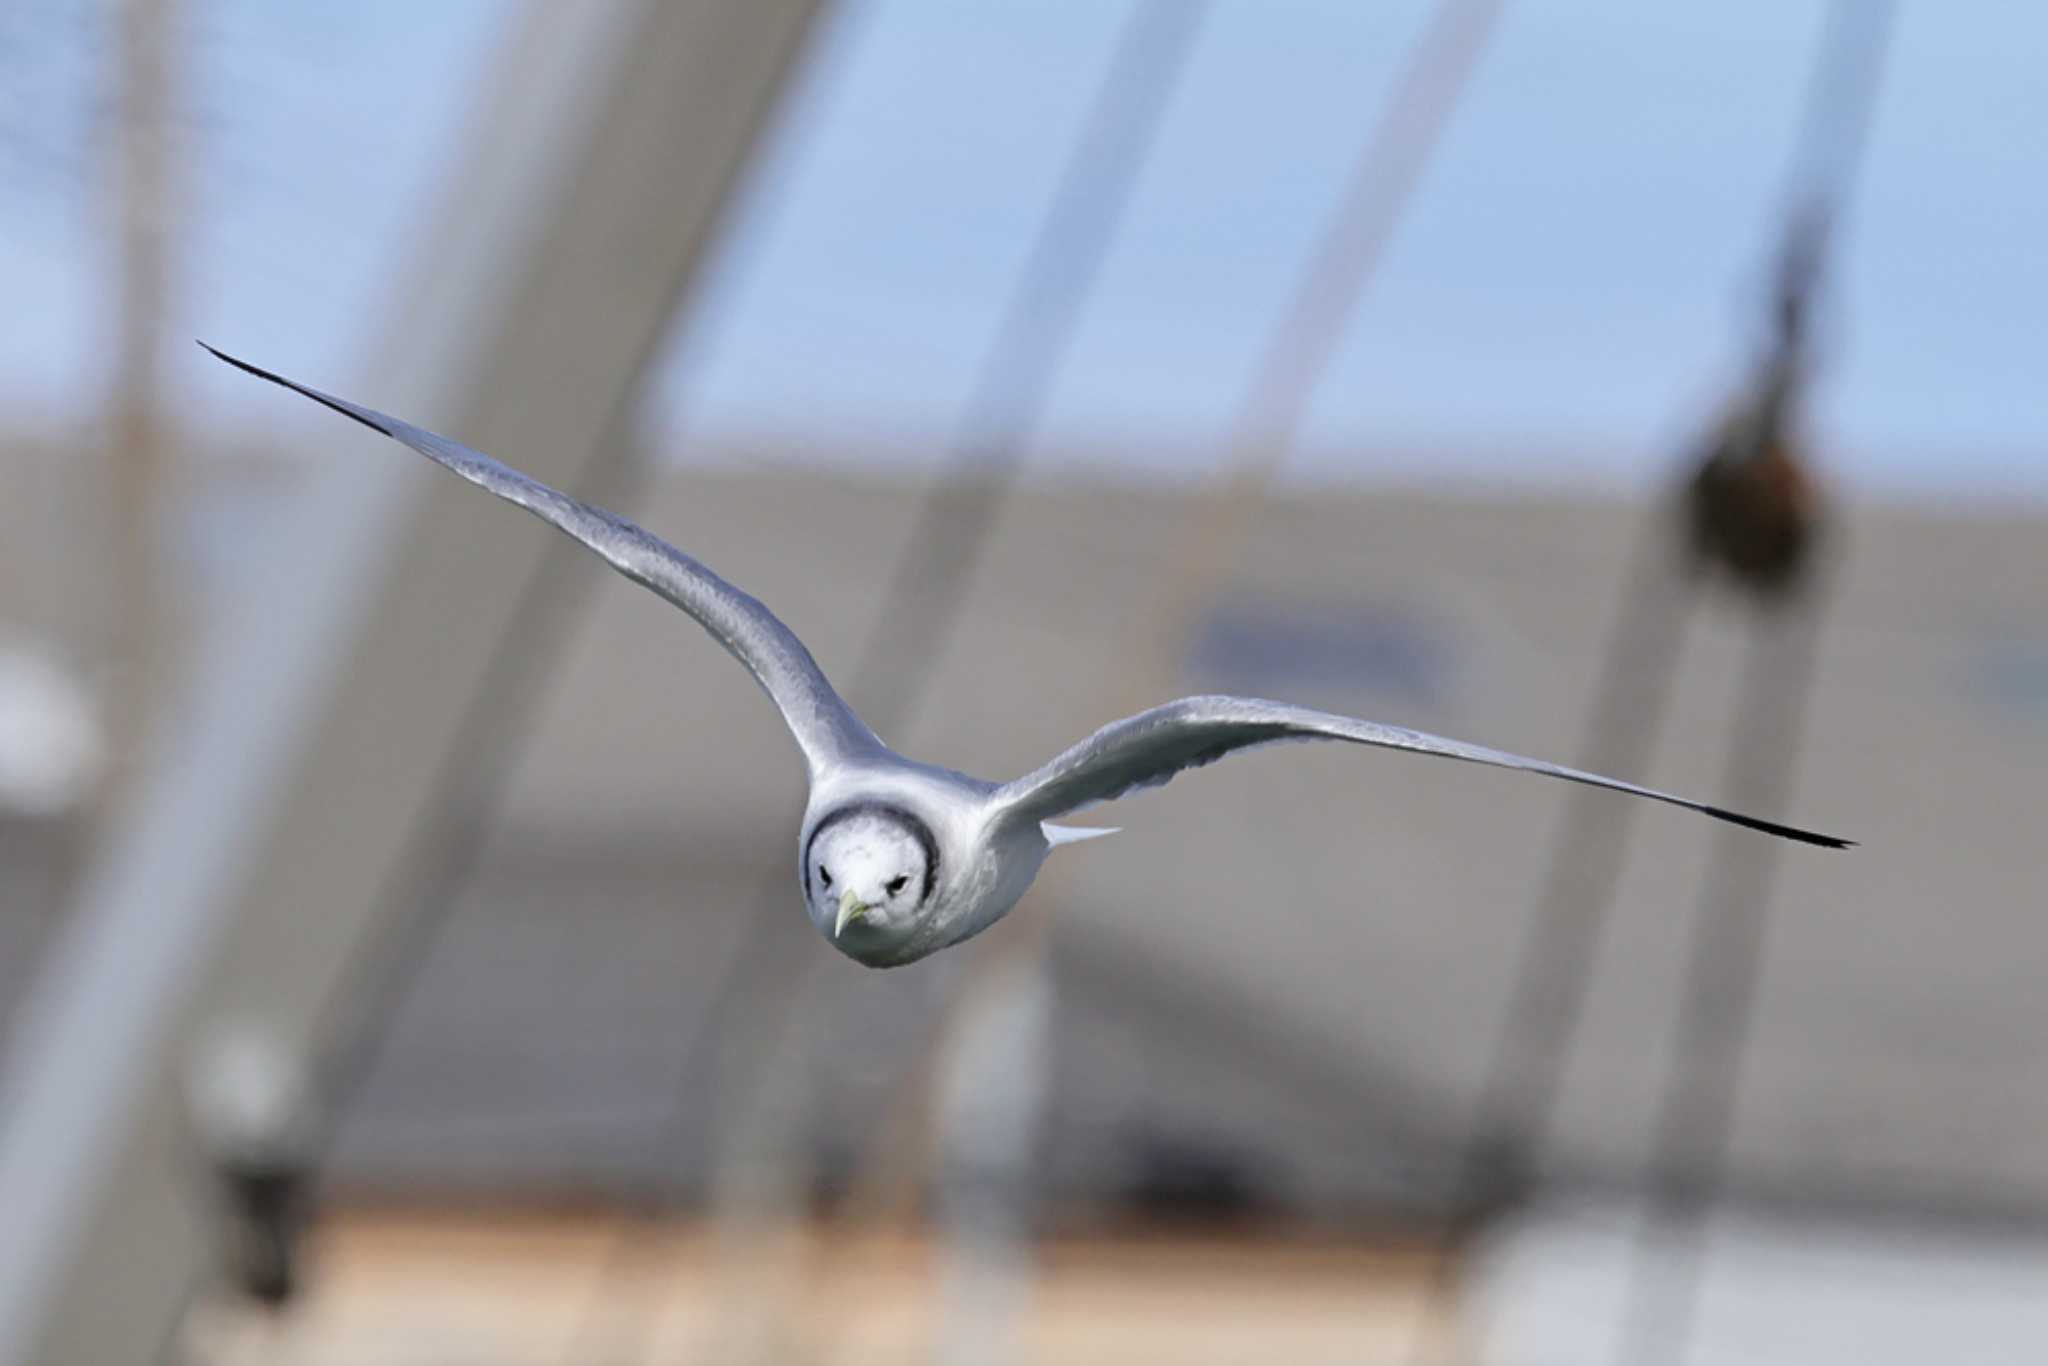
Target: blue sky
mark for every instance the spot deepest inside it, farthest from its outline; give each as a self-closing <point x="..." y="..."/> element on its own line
<point x="1572" y="290"/>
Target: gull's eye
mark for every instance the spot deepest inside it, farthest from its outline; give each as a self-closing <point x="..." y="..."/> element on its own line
<point x="825" y="876"/>
<point x="897" y="885"/>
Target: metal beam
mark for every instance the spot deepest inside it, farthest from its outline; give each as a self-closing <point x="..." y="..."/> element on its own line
<point x="256" y="852"/>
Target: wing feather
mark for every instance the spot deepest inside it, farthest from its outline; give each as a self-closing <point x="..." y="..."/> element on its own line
<point x="1148" y="749"/>
<point x="826" y="729"/>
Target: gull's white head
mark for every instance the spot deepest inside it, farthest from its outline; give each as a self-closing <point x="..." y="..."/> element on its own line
<point x="868" y="871"/>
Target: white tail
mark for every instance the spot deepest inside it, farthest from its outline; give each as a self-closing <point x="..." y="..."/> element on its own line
<point x="1056" y="835"/>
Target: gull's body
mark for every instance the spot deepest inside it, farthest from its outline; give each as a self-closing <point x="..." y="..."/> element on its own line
<point x="983" y="865"/>
<point x="899" y="859"/>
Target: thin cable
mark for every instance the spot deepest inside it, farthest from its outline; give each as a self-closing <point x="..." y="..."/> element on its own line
<point x="1303" y="345"/>
<point x="1723" y="969"/>
<point x="1549" y="984"/>
<point x="1518" y="1097"/>
<point x="471" y="785"/>
<point x="417" y="898"/>
<point x="1841" y="101"/>
<point x="1519" y="1094"/>
<point x="1724" y="966"/>
<point x="1695" y="1122"/>
<point x="928" y="587"/>
<point x="422" y="891"/>
<point x="1299" y="353"/>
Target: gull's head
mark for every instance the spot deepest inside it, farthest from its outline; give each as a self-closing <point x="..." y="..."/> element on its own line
<point x="868" y="871"/>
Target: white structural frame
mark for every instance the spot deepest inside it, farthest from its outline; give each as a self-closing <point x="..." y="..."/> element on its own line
<point x="255" y="851"/>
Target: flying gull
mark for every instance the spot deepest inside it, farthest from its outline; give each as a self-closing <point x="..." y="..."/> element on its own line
<point x="900" y="859"/>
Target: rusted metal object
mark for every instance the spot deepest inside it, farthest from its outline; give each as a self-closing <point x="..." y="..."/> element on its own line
<point x="1751" y="508"/>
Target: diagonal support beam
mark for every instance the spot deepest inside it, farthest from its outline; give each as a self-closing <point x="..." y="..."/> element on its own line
<point x="256" y="852"/>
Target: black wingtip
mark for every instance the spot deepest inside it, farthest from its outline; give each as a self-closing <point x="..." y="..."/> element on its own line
<point x="1790" y="832"/>
<point x="346" y="410"/>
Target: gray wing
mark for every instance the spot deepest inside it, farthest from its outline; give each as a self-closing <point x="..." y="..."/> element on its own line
<point x="826" y="729"/>
<point x="1148" y="749"/>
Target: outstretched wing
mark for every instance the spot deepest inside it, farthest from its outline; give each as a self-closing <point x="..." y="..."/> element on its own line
<point x="826" y="729"/>
<point x="1148" y="749"/>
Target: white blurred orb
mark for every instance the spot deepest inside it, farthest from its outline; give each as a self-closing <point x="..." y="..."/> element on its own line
<point x="52" y="749"/>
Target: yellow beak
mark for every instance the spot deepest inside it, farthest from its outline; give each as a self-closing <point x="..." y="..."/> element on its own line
<point x="850" y="910"/>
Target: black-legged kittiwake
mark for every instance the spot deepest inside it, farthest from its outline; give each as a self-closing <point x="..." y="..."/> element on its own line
<point x="900" y="859"/>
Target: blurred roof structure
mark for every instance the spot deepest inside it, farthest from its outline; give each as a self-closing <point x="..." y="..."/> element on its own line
<point x="1288" y="966"/>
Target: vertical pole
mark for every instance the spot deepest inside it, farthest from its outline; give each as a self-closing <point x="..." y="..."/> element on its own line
<point x="138" y="454"/>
